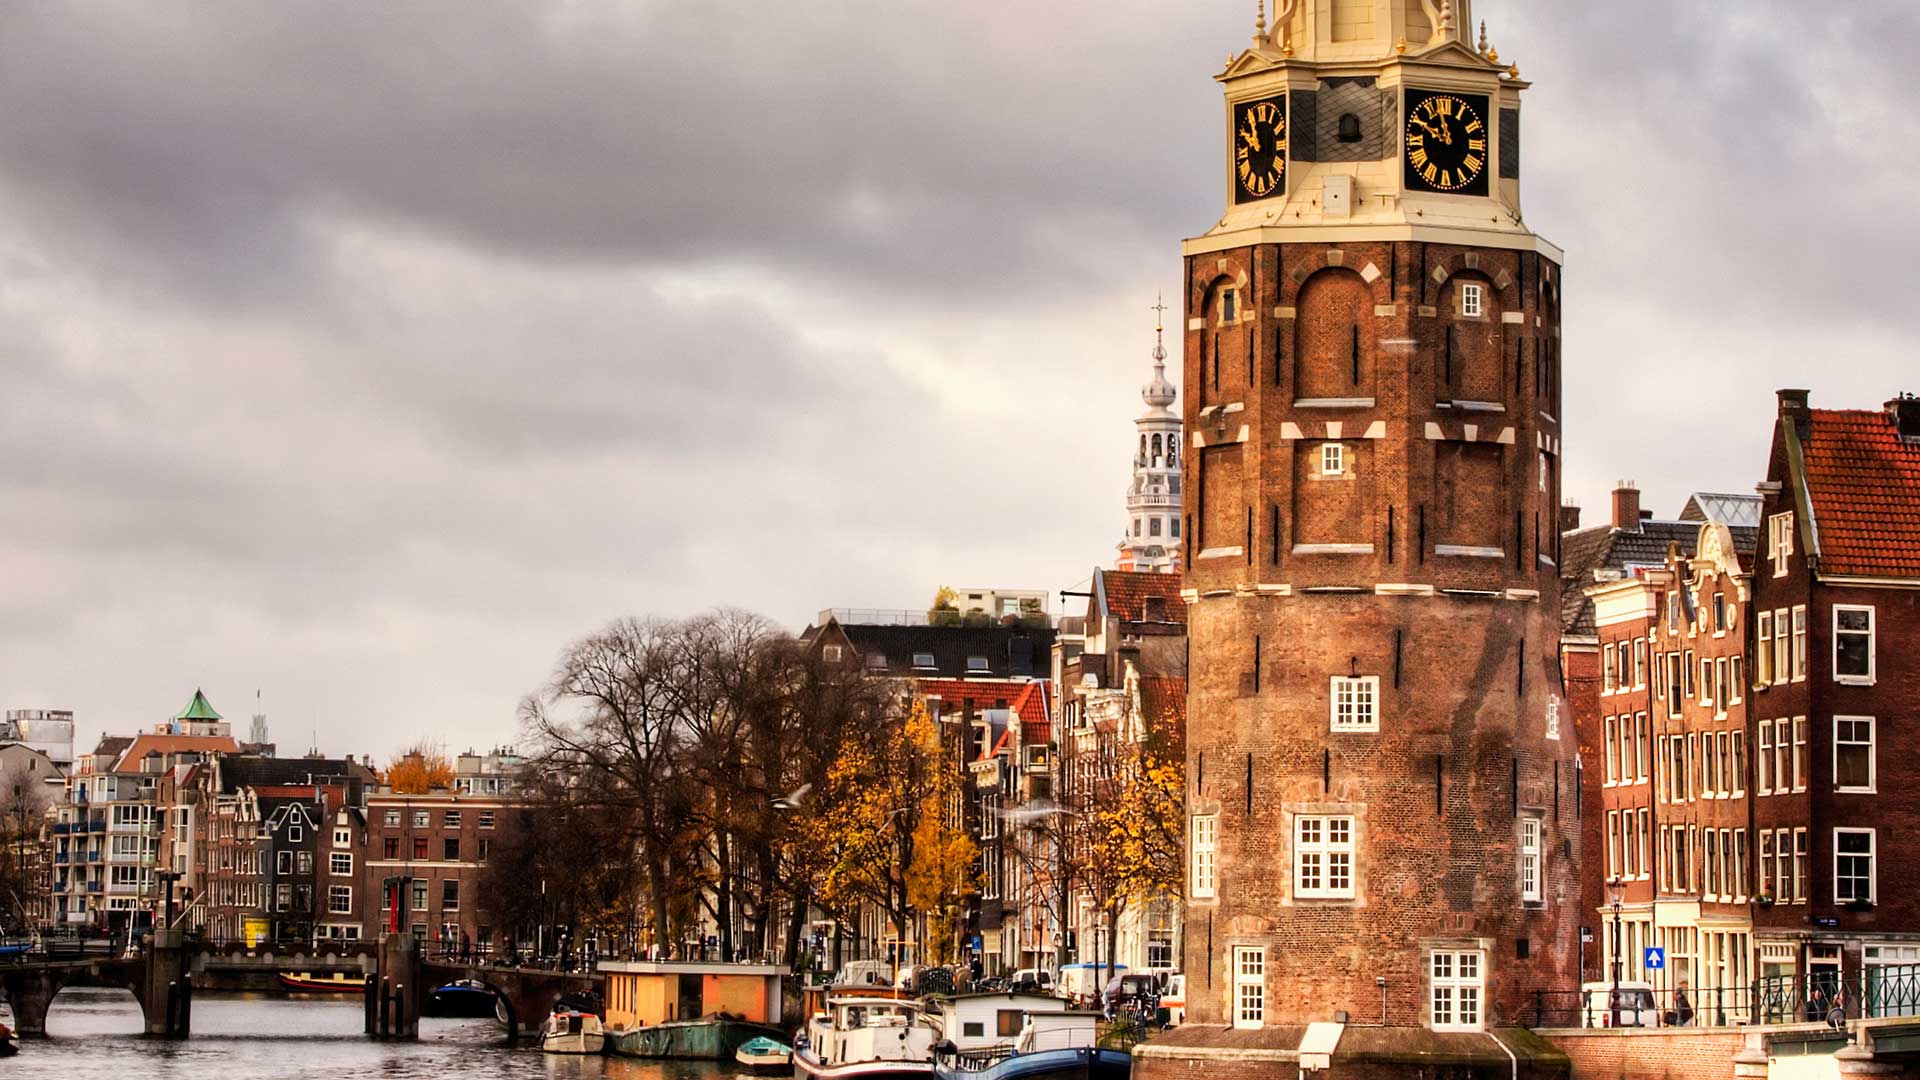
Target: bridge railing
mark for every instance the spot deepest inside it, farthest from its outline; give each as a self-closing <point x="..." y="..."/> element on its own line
<point x="444" y="952"/>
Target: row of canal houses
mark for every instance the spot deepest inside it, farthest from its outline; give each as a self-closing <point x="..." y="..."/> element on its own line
<point x="184" y="823"/>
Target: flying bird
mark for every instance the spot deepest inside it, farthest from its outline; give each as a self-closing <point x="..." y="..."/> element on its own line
<point x="792" y="799"/>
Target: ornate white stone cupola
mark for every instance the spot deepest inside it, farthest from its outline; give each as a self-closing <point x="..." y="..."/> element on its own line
<point x="1153" y="532"/>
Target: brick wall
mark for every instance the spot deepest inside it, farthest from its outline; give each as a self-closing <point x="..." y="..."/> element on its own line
<point x="1650" y="1055"/>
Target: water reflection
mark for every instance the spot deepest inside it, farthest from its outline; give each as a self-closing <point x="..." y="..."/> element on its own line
<point x="95" y="1035"/>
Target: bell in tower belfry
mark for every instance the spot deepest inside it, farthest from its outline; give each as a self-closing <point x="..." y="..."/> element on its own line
<point x="1382" y="821"/>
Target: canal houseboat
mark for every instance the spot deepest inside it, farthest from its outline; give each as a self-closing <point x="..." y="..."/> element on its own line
<point x="690" y="1009"/>
<point x="867" y="1038"/>
<point x="1033" y="1038"/>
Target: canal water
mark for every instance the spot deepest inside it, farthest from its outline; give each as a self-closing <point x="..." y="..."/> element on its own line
<point x="94" y="1035"/>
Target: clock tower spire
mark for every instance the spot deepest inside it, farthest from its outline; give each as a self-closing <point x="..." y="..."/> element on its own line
<point x="1382" y="816"/>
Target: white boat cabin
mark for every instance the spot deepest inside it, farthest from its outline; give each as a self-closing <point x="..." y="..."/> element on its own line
<point x="857" y="1029"/>
<point x="984" y="1021"/>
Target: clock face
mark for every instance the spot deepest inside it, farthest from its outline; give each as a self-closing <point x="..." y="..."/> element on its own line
<point x="1446" y="143"/>
<point x="1259" y="149"/>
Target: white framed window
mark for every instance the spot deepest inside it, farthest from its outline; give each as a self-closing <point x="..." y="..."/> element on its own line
<point x="1675" y="685"/>
<point x="1323" y="857"/>
<point x="1456" y="979"/>
<point x="1473" y="299"/>
<point x="1205" y="831"/>
<point x="1763" y="657"/>
<point x="1782" y="657"/>
<point x="1333" y="459"/>
<point x="1799" y="866"/>
<point x="1766" y="865"/>
<point x="1780" y="541"/>
<point x="1532" y="860"/>
<point x="1639" y="663"/>
<point x="1853" y="754"/>
<point x="340" y="864"/>
<point x="1799" y="643"/>
<point x="1763" y="760"/>
<point x="1229" y="305"/>
<point x="1612" y="736"/>
<point x="1613" y="844"/>
<point x="1249" y="986"/>
<point x="1799" y="753"/>
<point x="343" y="838"/>
<point x="1853" y="877"/>
<point x="1719" y="612"/>
<point x="1356" y="703"/>
<point x="339" y="899"/>
<point x="1609" y="677"/>
<point x="1852" y="644"/>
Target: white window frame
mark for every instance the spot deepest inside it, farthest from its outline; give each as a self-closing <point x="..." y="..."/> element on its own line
<point x="1333" y="459"/>
<point x="1763" y="760"/>
<point x="335" y="892"/>
<point x="1800" y="763"/>
<point x="1249" y="986"/>
<point x="335" y="861"/>
<point x="1872" y="650"/>
<point x="1229" y="305"/>
<point x="1780" y="541"/>
<point x="1799" y="642"/>
<point x="1348" y="715"/>
<point x="1532" y="859"/>
<point x="1873" y="865"/>
<point x="1763" y="637"/>
<point x="1206" y="833"/>
<point x="1456" y="983"/>
<point x="1873" y="755"/>
<point x="1473" y="300"/>
<point x="1323" y="852"/>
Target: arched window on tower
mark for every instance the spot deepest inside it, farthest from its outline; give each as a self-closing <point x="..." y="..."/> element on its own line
<point x="1173" y="455"/>
<point x="1156" y="449"/>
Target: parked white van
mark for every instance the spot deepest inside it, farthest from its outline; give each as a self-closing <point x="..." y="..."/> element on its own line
<point x="1633" y="1005"/>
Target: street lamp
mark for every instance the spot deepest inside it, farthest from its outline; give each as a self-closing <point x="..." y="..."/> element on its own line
<point x="1616" y="892"/>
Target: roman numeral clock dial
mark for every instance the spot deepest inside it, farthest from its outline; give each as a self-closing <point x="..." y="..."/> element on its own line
<point x="1259" y="149"/>
<point x="1446" y="143"/>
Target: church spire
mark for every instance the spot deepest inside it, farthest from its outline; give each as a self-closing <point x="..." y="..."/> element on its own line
<point x="1159" y="393"/>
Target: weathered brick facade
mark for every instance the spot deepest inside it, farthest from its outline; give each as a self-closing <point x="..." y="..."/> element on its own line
<point x="1429" y="564"/>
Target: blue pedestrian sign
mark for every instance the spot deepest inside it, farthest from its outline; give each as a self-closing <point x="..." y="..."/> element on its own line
<point x="1656" y="958"/>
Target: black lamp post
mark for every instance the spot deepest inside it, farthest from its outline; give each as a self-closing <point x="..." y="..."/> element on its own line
<point x="1616" y="892"/>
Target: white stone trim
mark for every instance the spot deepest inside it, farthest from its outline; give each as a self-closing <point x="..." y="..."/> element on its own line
<point x="1523" y="594"/>
<point x="1334" y="403"/>
<point x="1376" y="430"/>
<point x="1285" y="313"/>
<point x="1470" y="551"/>
<point x="1331" y="549"/>
<point x="1403" y="589"/>
<point x="1370" y="273"/>
<point x="1386" y="310"/>
<point x="1334" y="428"/>
<point x="1198" y="322"/>
<point x="1273" y="590"/>
<point x="1290" y="431"/>
<point x="1190" y="595"/>
<point x="1546" y="442"/>
<point x="1222" y="552"/>
<point x="1516" y="318"/>
<point x="1479" y="406"/>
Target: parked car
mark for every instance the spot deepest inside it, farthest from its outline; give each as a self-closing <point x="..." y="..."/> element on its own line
<point x="1078" y="983"/>
<point x="1138" y="991"/>
<point x="1632" y="1005"/>
<point x="1173" y="1000"/>
<point x="1037" y="979"/>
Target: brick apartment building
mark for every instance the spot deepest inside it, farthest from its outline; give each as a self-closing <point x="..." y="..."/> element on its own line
<point x="1836" y="595"/>
<point x="428" y="852"/>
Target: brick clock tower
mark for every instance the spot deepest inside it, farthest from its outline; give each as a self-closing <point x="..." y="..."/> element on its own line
<point x="1383" y="799"/>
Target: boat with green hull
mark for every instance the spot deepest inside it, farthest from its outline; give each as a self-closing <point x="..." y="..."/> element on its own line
<point x="710" y="1038"/>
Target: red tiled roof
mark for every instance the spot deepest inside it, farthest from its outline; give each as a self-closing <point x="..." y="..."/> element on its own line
<point x="1163" y="699"/>
<point x="1865" y="485"/>
<point x="1036" y="727"/>
<point x="165" y="745"/>
<point x="1127" y="592"/>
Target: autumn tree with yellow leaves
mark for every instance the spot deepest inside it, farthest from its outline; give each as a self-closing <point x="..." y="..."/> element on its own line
<point x="421" y="768"/>
<point x="885" y="830"/>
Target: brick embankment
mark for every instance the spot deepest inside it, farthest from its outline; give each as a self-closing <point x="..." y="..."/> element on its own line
<point x="1653" y="1054"/>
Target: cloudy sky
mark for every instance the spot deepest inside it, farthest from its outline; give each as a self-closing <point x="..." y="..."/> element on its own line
<point x="365" y="353"/>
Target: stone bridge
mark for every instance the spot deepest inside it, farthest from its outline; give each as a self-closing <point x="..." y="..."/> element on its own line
<point x="400" y="981"/>
<point x="161" y="981"/>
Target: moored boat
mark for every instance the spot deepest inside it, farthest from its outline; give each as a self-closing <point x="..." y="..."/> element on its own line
<point x="468" y="998"/>
<point x="337" y="982"/>
<point x="709" y="1038"/>
<point x="1051" y="1045"/>
<point x="8" y="1047"/>
<point x="764" y="1055"/>
<point x="866" y="1038"/>
<point x="570" y="1031"/>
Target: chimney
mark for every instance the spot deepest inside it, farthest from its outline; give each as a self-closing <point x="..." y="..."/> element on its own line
<point x="1626" y="507"/>
<point x="1905" y="410"/>
<point x="1569" y="518"/>
<point x="1793" y="406"/>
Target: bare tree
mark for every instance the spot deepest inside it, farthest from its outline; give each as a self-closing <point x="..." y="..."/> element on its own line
<point x="24" y="801"/>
